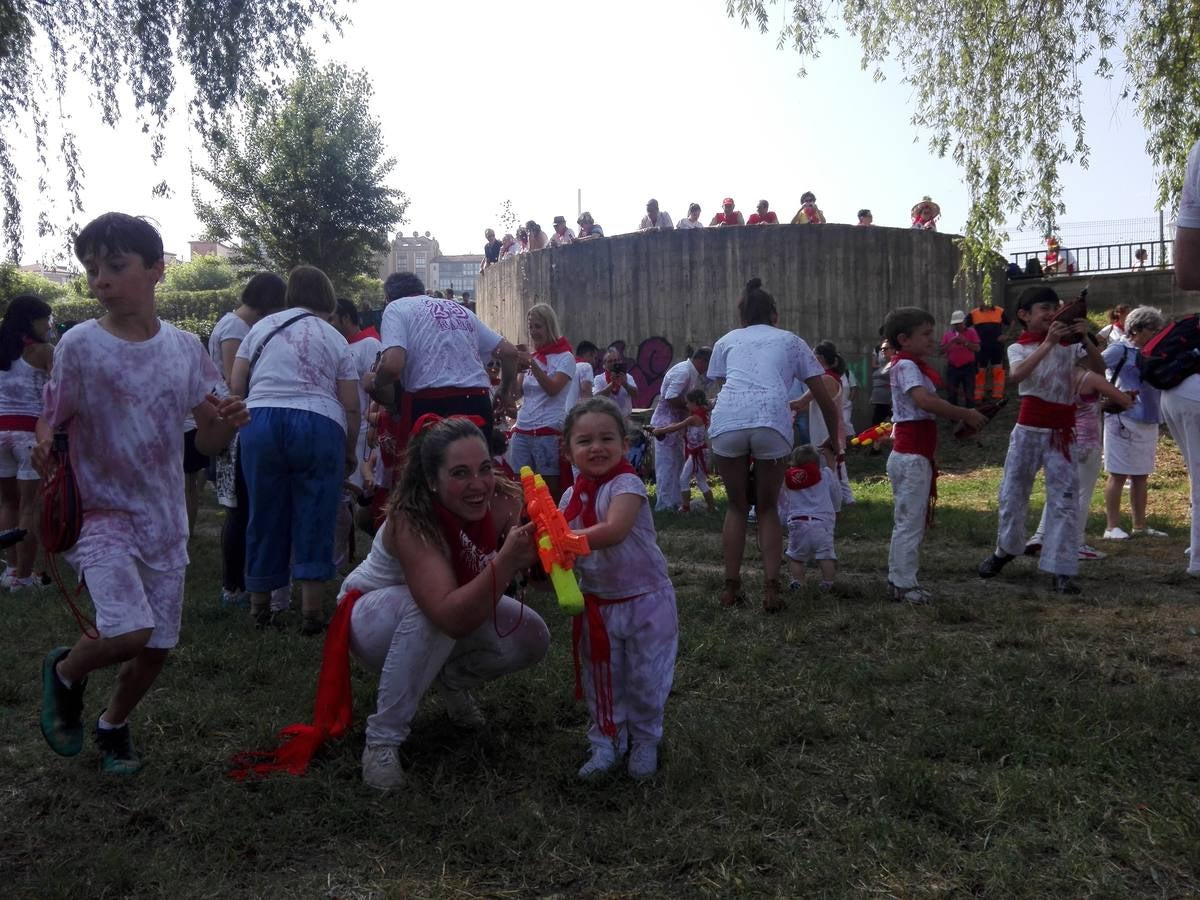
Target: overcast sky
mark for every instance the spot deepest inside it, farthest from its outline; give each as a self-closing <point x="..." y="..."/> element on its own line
<point x="482" y="102"/>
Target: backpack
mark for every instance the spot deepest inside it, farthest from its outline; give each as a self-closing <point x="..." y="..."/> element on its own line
<point x="1173" y="354"/>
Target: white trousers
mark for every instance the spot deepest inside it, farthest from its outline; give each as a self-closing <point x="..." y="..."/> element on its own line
<point x="1183" y="419"/>
<point x="1087" y="464"/>
<point x="1028" y="452"/>
<point x="685" y="477"/>
<point x="390" y="635"/>
<point x="643" y="636"/>
<point x="910" y="475"/>
<point x="668" y="463"/>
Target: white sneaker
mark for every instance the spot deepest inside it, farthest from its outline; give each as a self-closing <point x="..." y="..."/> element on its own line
<point x="643" y="761"/>
<point x="1087" y="551"/>
<point x="1114" y="534"/>
<point x="1148" y="532"/>
<point x="602" y="761"/>
<point x="461" y="707"/>
<point x="281" y="599"/>
<point x="381" y="767"/>
<point x="14" y="584"/>
<point x="752" y="516"/>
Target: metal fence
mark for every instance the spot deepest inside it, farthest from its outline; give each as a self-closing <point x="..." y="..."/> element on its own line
<point x="1132" y="230"/>
<point x="1105" y="257"/>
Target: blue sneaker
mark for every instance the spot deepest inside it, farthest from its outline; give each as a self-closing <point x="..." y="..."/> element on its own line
<point x="62" y="707"/>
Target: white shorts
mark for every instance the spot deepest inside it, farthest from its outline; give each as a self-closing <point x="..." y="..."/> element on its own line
<point x="127" y="594"/>
<point x="16" y="455"/>
<point x="761" y="443"/>
<point x="1129" y="447"/>
<point x="810" y="539"/>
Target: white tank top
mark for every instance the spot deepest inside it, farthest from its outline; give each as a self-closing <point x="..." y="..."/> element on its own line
<point x="380" y="569"/>
<point x="21" y="389"/>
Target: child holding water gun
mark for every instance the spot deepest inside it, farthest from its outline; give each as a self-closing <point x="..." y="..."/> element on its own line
<point x="626" y="638"/>
<point x="814" y="497"/>
<point x="695" y="448"/>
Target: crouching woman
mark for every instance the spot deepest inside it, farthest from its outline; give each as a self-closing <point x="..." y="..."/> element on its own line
<point x="425" y="608"/>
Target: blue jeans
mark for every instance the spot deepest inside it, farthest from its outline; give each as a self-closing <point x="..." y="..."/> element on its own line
<point x="293" y="461"/>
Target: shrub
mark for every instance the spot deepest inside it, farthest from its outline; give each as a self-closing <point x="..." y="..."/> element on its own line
<point x="204" y="273"/>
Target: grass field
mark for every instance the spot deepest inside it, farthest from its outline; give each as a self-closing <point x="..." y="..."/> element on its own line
<point x="1004" y="742"/>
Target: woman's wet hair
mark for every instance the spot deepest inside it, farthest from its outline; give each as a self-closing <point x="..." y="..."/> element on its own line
<point x="17" y="326"/>
<point x="601" y="405"/>
<point x="756" y="306"/>
<point x="116" y="232"/>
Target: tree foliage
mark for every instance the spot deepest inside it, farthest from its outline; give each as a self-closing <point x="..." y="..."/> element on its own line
<point x="300" y="178"/>
<point x="123" y="48"/>
<point x="13" y="282"/>
<point x="202" y="273"/>
<point x="998" y="85"/>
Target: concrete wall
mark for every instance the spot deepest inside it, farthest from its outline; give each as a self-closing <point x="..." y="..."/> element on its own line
<point x="1145" y="287"/>
<point x="658" y="292"/>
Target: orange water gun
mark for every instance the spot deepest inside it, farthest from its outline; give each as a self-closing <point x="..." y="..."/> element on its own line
<point x="872" y="435"/>
<point x="557" y="544"/>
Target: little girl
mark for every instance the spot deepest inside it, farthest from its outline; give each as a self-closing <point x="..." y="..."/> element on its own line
<point x="814" y="497"/>
<point x="626" y="638"/>
<point x="695" y="447"/>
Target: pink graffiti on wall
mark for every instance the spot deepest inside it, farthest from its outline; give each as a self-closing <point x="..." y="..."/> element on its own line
<point x="648" y="367"/>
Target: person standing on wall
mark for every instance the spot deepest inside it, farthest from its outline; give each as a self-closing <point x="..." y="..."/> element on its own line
<point x="672" y="408"/>
<point x="989" y="322"/>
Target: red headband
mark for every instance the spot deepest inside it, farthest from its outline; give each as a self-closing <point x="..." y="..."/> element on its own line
<point x="428" y="420"/>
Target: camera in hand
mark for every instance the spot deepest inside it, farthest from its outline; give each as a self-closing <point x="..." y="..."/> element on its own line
<point x="619" y="367"/>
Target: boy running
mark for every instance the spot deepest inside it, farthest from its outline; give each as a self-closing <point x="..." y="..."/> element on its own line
<point x="120" y="388"/>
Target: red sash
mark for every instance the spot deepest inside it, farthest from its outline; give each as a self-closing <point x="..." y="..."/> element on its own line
<point x="920" y="436"/>
<point x="583" y="505"/>
<point x="1058" y="417"/>
<point x="401" y="429"/>
<point x="18" y="423"/>
<point x="368" y="332"/>
<point x="600" y="657"/>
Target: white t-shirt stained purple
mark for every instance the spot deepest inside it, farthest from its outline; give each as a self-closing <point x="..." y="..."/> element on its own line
<point x="300" y="367"/>
<point x="447" y="344"/>
<point x="905" y="375"/>
<point x="759" y="364"/>
<point x="121" y="403"/>
<point x="633" y="567"/>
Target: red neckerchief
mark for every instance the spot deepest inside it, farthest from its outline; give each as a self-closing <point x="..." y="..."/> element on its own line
<point x="834" y="375"/>
<point x="562" y="345"/>
<point x="803" y="476"/>
<point x="702" y="413"/>
<point x="1028" y="337"/>
<point x="583" y="496"/>
<point x="926" y="369"/>
<point x="472" y="544"/>
<point x="368" y="332"/>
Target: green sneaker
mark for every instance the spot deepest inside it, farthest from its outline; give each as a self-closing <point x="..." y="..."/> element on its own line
<point x="117" y="756"/>
<point x="62" y="708"/>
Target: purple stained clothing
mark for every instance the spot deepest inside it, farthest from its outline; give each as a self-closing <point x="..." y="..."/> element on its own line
<point x="122" y="403"/>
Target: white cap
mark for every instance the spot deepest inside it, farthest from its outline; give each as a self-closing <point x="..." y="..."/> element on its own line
<point x="957" y="317"/>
